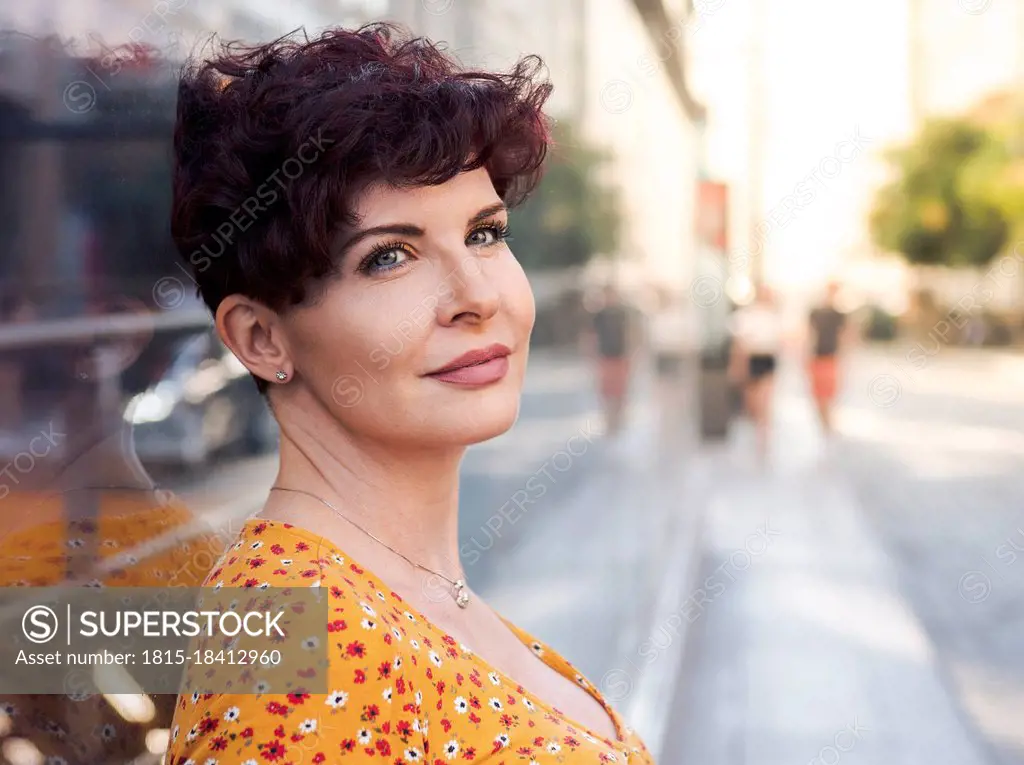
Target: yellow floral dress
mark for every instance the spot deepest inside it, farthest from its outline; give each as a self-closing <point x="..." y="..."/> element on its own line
<point x="401" y="689"/>
<point x="145" y="540"/>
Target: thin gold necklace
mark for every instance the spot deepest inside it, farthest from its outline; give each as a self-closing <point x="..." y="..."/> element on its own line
<point x="459" y="591"/>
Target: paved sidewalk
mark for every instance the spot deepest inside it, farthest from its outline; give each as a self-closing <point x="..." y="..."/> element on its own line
<point x="804" y="649"/>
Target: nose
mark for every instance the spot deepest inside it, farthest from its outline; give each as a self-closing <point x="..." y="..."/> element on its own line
<point x="474" y="295"/>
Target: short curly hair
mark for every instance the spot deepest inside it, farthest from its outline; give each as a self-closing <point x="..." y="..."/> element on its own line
<point x="273" y="143"/>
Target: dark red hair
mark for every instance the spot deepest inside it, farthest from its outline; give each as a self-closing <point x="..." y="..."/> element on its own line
<point x="273" y="144"/>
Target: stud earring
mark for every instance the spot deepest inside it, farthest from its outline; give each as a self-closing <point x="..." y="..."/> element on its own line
<point x="282" y="375"/>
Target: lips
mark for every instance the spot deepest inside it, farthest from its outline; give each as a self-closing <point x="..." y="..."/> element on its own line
<point x="478" y="367"/>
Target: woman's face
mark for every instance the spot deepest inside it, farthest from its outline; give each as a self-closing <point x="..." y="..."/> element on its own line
<point x="425" y="278"/>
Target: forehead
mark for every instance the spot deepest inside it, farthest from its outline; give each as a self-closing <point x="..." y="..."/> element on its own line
<point x="459" y="198"/>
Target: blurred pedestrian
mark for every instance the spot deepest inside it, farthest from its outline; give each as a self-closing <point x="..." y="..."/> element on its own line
<point x="610" y="342"/>
<point x="827" y="333"/>
<point x="668" y="337"/>
<point x="757" y="341"/>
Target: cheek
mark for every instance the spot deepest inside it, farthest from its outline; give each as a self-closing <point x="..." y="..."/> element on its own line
<point x="518" y="296"/>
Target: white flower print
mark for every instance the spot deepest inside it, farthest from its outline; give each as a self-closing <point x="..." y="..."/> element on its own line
<point x="387" y="694"/>
<point x="192" y="735"/>
<point x="410" y="617"/>
<point x="211" y="761"/>
<point x="174" y="732"/>
<point x="554" y="747"/>
<point x="367" y="609"/>
<point x="250" y="762"/>
<point x="461" y="705"/>
<point x="311" y="643"/>
<point x="493" y="677"/>
<point x="435" y="659"/>
<point x="396" y="633"/>
<point x="397" y="663"/>
<point x="338" y="559"/>
<point x="412" y="754"/>
<point x="528" y="704"/>
<point x="415" y="644"/>
<point x="286" y="561"/>
<point x="419" y="698"/>
<point x="464" y="648"/>
<point x="380" y="597"/>
<point x="263" y="586"/>
<point x="337" y="699"/>
<point x="537" y="648"/>
<point x="495" y="704"/>
<point x="195" y="698"/>
<point x="451" y="749"/>
<point x="368" y="624"/>
<point x="307" y="726"/>
<point x="231" y="714"/>
<point x="502" y="740"/>
<point x="262" y="687"/>
<point x="364" y="737"/>
<point x="219" y="585"/>
<point x="255" y="545"/>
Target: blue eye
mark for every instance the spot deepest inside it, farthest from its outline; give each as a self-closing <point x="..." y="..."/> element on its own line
<point x="384" y="258"/>
<point x="491" y="233"/>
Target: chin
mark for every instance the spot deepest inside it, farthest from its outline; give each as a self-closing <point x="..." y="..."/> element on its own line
<point x="480" y="416"/>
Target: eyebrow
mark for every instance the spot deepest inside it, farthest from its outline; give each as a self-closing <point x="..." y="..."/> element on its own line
<point x="410" y="230"/>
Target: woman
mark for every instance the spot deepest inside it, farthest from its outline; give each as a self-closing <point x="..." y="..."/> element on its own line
<point x="757" y="341"/>
<point x="373" y="296"/>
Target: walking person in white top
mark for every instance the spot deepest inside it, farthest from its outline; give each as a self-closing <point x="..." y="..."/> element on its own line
<point x="757" y="341"/>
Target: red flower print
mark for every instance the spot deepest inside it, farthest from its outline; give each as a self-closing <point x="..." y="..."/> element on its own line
<point x="474" y="718"/>
<point x="383" y="747"/>
<point x="400" y="686"/>
<point x="384" y="670"/>
<point x="301" y="547"/>
<point x="297" y="737"/>
<point x="272" y="751"/>
<point x="208" y="724"/>
<point x="309" y="573"/>
<point x="279" y="731"/>
<point x="355" y="568"/>
<point x="524" y="751"/>
<point x="219" y="744"/>
<point x="569" y="741"/>
<point x="372" y="712"/>
<point x="247" y="733"/>
<point x="469" y="753"/>
<point x="385" y="727"/>
<point x="277" y="549"/>
<point x="459" y="679"/>
<point x="539" y="741"/>
<point x="446" y="724"/>
<point x="440" y="687"/>
<point x="507" y="721"/>
<point x="297" y="698"/>
<point x="403" y="728"/>
<point x="310" y="672"/>
<point x="277" y="708"/>
<point x="337" y="625"/>
<point x="318" y="758"/>
<point x="335" y="591"/>
<point x="510" y="699"/>
<point x="360" y="677"/>
<point x="396" y="596"/>
<point x="387" y="638"/>
<point x="474" y="702"/>
<point x="259" y="528"/>
<point x="251" y="582"/>
<point x="348" y="745"/>
<point x="256" y="562"/>
<point x="448" y="639"/>
<point x="279" y="571"/>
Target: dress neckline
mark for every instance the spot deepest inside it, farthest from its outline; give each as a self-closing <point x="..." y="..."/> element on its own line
<point x="520" y="634"/>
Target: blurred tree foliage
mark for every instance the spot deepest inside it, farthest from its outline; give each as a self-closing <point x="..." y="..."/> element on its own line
<point x="572" y="215"/>
<point x="954" y="200"/>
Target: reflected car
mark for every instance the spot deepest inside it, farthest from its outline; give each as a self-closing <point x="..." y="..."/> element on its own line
<point x="202" y="404"/>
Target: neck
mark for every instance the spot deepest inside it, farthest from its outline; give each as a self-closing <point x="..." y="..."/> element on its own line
<point x="404" y="496"/>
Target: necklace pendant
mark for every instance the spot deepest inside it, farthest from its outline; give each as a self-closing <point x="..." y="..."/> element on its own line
<point x="461" y="596"/>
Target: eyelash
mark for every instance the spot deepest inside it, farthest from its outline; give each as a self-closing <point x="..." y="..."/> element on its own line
<point x="500" y="229"/>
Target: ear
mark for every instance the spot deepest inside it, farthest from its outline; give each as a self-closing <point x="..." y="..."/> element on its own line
<point x="256" y="336"/>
